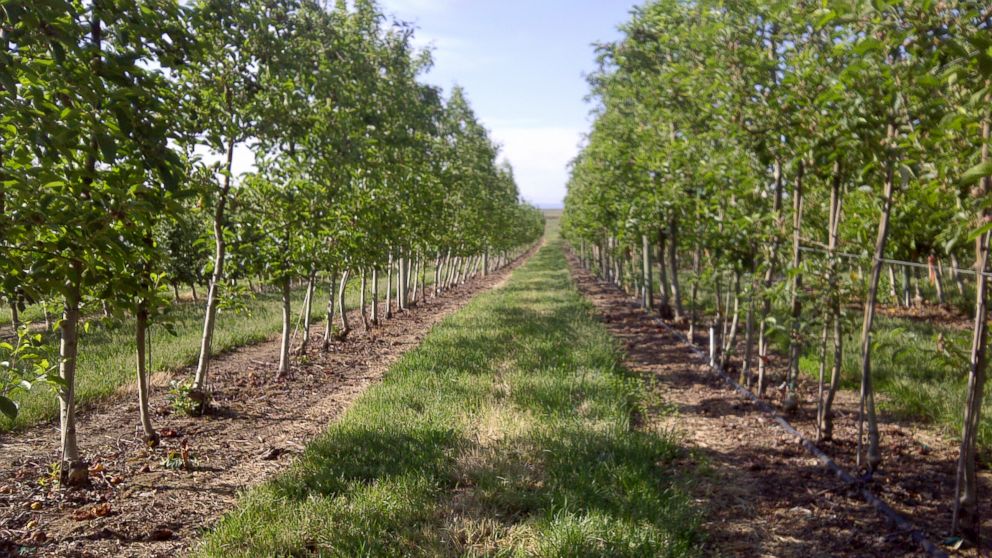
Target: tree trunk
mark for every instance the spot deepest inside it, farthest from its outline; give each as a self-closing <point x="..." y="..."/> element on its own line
<point x="423" y="279"/>
<point x="825" y="424"/>
<point x="958" y="282"/>
<point x="647" y="290"/>
<point x="329" y="321"/>
<point x="731" y="337"/>
<point x="287" y="324"/>
<point x="917" y="295"/>
<point x="664" y="301"/>
<point x="307" y="311"/>
<point x="746" y="375"/>
<point x="937" y="277"/>
<point x="361" y="302"/>
<point x="694" y="291"/>
<point x="791" y="401"/>
<point x="906" y="287"/>
<point x="867" y="408"/>
<point x="966" y="512"/>
<point x="342" y="308"/>
<point x="893" y="285"/>
<point x="73" y="468"/>
<point x="673" y="264"/>
<point x="389" y="287"/>
<point x="766" y="301"/>
<point x="15" y="316"/>
<point x="199" y="387"/>
<point x="141" y="328"/>
<point x="193" y="288"/>
<point x="175" y="291"/>
<point x="375" y="296"/>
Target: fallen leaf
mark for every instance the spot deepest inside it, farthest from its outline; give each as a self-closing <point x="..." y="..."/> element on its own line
<point x="93" y="512"/>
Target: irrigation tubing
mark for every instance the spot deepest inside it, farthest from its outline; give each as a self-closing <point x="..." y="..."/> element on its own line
<point x="866" y="258"/>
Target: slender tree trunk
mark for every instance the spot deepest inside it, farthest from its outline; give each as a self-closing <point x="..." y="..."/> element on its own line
<point x="938" y="282"/>
<point x="437" y="274"/>
<point x="175" y="291"/>
<point x="141" y="328"/>
<point x="966" y="512"/>
<point x="906" y="286"/>
<point x="958" y="282"/>
<point x="389" y="287"/>
<point x="361" y="302"/>
<point x="287" y="325"/>
<point x="73" y="468"/>
<point x="893" y="285"/>
<point x="791" y="401"/>
<point x="199" y="388"/>
<point x="766" y="301"/>
<point x="694" y="291"/>
<point x="423" y="279"/>
<point x="917" y="295"/>
<point x="307" y="311"/>
<point x="342" y="308"/>
<point x="193" y="288"/>
<point x="647" y="290"/>
<point x="664" y="302"/>
<point x="673" y="264"/>
<point x="731" y="336"/>
<point x="867" y="410"/>
<point x="329" y="321"/>
<point x="375" y="296"/>
<point x="15" y="316"/>
<point x="746" y="375"/>
<point x="825" y="423"/>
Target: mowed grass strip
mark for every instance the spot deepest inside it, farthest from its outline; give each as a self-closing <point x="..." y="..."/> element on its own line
<point x="506" y="433"/>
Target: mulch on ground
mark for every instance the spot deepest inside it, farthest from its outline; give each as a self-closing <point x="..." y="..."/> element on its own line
<point x="763" y="493"/>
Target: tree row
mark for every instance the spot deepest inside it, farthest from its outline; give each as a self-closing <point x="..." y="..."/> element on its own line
<point x="778" y="155"/>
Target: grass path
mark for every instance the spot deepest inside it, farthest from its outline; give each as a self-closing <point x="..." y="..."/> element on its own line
<point x="508" y="432"/>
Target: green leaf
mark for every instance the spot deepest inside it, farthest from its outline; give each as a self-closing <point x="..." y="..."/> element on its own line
<point x="108" y="147"/>
<point x="976" y="173"/>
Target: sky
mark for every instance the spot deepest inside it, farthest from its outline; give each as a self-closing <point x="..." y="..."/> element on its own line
<point x="522" y="64"/>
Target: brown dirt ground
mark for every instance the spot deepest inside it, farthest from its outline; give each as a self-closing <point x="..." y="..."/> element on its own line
<point x="257" y="425"/>
<point x="764" y="494"/>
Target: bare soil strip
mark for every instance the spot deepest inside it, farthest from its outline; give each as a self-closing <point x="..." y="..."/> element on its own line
<point x="138" y="506"/>
<point x="764" y="494"/>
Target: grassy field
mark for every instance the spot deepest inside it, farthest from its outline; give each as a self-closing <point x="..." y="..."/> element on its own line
<point x="107" y="354"/>
<point x="506" y="433"/>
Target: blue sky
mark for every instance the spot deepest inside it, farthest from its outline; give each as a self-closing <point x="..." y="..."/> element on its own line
<point x="522" y="65"/>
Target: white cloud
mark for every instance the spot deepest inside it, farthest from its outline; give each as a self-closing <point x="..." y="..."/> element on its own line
<point x="540" y="157"/>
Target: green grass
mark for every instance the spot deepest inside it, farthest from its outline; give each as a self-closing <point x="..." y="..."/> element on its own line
<point x="507" y="432"/>
<point x="107" y="353"/>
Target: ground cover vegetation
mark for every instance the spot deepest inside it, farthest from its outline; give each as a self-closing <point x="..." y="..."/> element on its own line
<point x="758" y="170"/>
<point x="121" y="119"/>
<point x="507" y="432"/>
